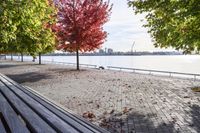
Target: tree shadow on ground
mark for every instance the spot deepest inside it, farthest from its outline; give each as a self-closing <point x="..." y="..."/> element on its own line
<point x="195" y="114"/>
<point x="8" y="65"/>
<point x="66" y="70"/>
<point x="28" y="77"/>
<point x="136" y="123"/>
<point x="15" y="64"/>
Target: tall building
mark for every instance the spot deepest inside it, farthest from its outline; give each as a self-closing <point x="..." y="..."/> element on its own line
<point x="101" y="51"/>
<point x="110" y="51"/>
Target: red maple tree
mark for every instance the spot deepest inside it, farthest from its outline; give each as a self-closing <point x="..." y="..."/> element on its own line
<point x="80" y="25"/>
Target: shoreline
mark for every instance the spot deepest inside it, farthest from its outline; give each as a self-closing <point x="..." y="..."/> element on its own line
<point x="179" y="64"/>
<point x="153" y="72"/>
<point x="117" y="101"/>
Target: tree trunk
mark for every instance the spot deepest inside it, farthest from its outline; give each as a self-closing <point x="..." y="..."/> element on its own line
<point x="77" y="59"/>
<point x="22" y="58"/>
<point x="11" y="57"/>
<point x="40" y="59"/>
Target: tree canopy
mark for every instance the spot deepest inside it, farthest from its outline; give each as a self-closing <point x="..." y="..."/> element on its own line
<point x="24" y="26"/>
<point x="172" y="23"/>
<point x="80" y="24"/>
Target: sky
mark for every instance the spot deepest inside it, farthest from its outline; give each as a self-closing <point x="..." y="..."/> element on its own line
<point x="125" y="28"/>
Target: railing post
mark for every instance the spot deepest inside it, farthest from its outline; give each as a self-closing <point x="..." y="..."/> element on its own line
<point x="11" y="57"/>
<point x="40" y="59"/>
<point x="22" y="59"/>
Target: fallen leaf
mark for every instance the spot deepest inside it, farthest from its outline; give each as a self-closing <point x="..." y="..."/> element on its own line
<point x="105" y="112"/>
<point x="90" y="102"/>
<point x="89" y="115"/>
<point x="126" y="110"/>
<point x="112" y="111"/>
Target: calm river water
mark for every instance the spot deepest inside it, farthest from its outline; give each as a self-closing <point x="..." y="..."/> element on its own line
<point x="176" y="63"/>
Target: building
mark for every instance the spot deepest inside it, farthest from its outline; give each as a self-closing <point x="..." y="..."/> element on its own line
<point x="101" y="51"/>
<point x="110" y="51"/>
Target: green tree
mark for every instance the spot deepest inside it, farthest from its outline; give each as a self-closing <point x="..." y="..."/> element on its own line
<point x="7" y="27"/>
<point x="30" y="22"/>
<point x="172" y="23"/>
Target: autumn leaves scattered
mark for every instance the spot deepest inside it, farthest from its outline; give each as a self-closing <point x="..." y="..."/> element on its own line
<point x="104" y="119"/>
<point x="196" y="89"/>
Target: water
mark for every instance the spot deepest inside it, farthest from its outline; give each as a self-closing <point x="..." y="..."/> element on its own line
<point x="175" y="63"/>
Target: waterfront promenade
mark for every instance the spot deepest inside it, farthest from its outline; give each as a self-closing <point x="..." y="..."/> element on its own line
<point x="117" y="101"/>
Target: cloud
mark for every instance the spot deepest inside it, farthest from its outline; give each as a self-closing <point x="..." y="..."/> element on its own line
<point x="125" y="27"/>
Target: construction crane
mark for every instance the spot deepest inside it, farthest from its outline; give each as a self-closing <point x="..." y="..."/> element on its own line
<point x="132" y="47"/>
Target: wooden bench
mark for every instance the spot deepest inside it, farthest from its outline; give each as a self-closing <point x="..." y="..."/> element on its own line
<point x="22" y="111"/>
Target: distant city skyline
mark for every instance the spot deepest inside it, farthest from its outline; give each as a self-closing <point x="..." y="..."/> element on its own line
<point x="125" y="28"/>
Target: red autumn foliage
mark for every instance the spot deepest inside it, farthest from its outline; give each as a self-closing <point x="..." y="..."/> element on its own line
<point x="80" y="24"/>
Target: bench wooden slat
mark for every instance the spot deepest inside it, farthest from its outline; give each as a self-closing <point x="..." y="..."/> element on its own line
<point x="58" y="124"/>
<point x="2" y="129"/>
<point x="13" y="121"/>
<point x="34" y="122"/>
<point x="76" y="123"/>
<point x="68" y="117"/>
<point x="63" y="114"/>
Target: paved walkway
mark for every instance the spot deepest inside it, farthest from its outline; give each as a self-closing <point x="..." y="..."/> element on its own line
<point x="145" y="107"/>
<point x="120" y="102"/>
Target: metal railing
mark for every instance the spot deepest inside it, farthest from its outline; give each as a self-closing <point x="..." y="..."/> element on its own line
<point x="89" y="65"/>
<point x="73" y="64"/>
<point x="148" y="71"/>
<point x="195" y="76"/>
<point x="57" y="62"/>
<point x="2" y="56"/>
